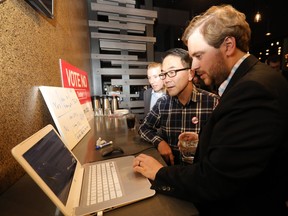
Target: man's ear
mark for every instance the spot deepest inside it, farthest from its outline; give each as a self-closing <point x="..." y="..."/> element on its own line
<point x="191" y="74"/>
<point x="230" y="45"/>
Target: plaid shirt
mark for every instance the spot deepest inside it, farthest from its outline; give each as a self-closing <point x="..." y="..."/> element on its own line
<point x="168" y="118"/>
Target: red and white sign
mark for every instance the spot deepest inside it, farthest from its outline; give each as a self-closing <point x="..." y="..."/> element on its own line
<point x="73" y="77"/>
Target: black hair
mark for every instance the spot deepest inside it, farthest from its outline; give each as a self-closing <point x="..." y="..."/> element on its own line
<point x="183" y="54"/>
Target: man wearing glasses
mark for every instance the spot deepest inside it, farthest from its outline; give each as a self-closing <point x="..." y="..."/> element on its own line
<point x="184" y="108"/>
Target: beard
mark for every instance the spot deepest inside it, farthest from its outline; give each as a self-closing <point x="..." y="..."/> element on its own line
<point x="219" y="72"/>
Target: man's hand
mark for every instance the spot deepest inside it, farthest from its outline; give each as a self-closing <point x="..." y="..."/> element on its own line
<point x="146" y="165"/>
<point x="166" y="152"/>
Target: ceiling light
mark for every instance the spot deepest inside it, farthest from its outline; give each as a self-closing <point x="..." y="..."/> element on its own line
<point x="268" y="32"/>
<point x="257" y="17"/>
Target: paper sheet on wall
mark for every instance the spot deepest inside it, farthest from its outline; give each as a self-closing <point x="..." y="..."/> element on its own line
<point x="67" y="113"/>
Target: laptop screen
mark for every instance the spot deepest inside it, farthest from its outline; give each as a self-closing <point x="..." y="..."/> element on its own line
<point x="54" y="163"/>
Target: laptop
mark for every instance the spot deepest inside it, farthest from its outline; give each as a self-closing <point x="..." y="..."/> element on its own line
<point x="66" y="182"/>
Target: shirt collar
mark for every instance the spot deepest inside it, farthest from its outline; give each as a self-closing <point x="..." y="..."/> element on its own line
<point x="159" y="92"/>
<point x="223" y="86"/>
<point x="195" y="96"/>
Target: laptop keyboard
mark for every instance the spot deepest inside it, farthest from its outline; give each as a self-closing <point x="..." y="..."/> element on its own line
<point x="103" y="183"/>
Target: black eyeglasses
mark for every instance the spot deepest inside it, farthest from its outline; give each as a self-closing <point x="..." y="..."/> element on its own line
<point x="171" y="73"/>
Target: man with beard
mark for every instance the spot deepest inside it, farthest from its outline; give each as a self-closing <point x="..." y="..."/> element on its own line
<point x="184" y="108"/>
<point x="241" y="162"/>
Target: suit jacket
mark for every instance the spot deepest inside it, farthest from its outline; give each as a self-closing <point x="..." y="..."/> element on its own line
<point x="147" y="100"/>
<point x="241" y="163"/>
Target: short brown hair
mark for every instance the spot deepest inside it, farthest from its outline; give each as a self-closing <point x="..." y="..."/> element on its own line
<point x="219" y="22"/>
<point x="154" y="65"/>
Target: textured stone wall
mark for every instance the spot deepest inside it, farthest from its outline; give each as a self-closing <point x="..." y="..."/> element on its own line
<point x="30" y="48"/>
